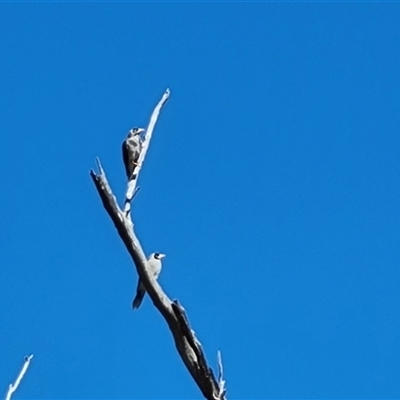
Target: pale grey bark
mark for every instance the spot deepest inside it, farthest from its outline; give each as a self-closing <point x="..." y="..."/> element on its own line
<point x="132" y="183"/>
<point x="14" y="386"/>
<point x="189" y="348"/>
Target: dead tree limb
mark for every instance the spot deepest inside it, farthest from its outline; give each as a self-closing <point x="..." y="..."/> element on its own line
<point x="189" y="348"/>
<point x="132" y="183"/>
<point x="14" y="386"/>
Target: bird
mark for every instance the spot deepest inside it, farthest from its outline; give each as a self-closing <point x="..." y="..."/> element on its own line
<point x="154" y="262"/>
<point x="131" y="149"/>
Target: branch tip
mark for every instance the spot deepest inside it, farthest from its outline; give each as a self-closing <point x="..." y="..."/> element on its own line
<point x="14" y="386"/>
<point x="99" y="166"/>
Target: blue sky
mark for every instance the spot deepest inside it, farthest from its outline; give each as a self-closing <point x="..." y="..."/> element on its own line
<point x="272" y="184"/>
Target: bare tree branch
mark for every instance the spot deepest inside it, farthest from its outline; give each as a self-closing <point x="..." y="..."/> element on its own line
<point x="189" y="348"/>
<point x="221" y="381"/>
<point x="13" y="387"/>
<point x="131" y="187"/>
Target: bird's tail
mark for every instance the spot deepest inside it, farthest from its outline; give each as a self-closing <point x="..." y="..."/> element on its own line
<point x="137" y="301"/>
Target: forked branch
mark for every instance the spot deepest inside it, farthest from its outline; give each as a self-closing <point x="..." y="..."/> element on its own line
<point x="189" y="348"/>
<point x="14" y="386"/>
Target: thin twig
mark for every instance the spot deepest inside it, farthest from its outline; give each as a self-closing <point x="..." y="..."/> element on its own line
<point x="13" y="387"/>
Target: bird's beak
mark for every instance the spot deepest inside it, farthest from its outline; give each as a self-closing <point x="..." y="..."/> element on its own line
<point x="162" y="256"/>
<point x="140" y="130"/>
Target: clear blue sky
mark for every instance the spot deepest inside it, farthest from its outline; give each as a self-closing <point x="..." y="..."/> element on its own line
<point x="272" y="184"/>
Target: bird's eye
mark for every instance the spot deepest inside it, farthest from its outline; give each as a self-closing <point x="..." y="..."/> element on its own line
<point x="157" y="255"/>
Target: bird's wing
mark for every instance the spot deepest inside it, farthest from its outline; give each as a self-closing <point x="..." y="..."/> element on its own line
<point x="125" y="158"/>
<point x="155" y="267"/>
<point x="156" y="272"/>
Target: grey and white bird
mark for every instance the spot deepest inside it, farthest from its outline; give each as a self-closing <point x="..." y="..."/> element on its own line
<point x="131" y="149"/>
<point x="155" y="265"/>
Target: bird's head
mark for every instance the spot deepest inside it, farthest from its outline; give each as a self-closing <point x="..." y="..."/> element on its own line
<point x="158" y="256"/>
<point x="135" y="132"/>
